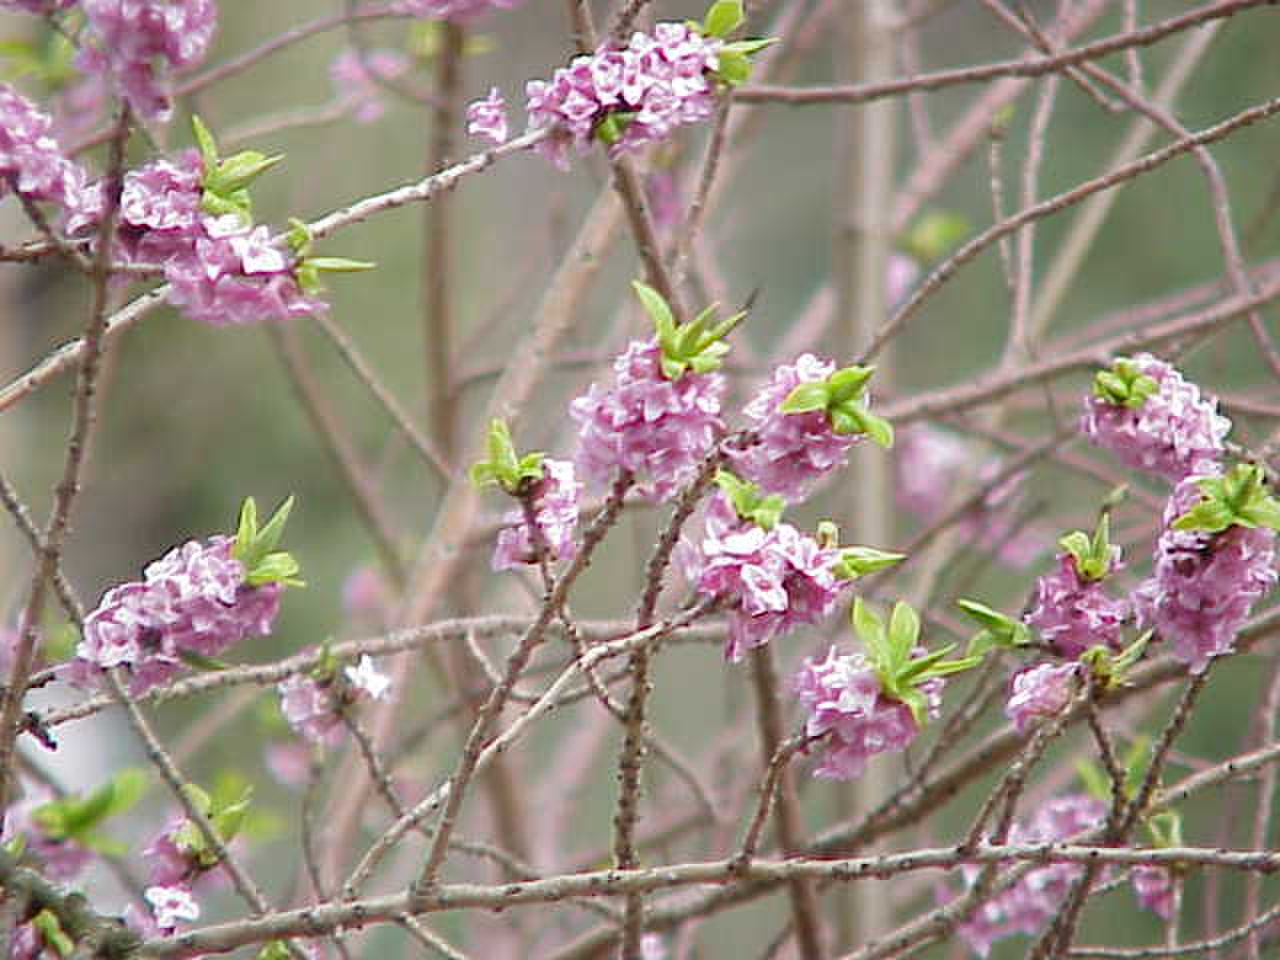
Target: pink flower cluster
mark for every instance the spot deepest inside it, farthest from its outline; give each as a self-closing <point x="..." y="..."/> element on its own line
<point x="555" y="505"/>
<point x="235" y="273"/>
<point x="220" y="270"/>
<point x="1204" y="584"/>
<point x="136" y="43"/>
<point x="1040" y="691"/>
<point x="31" y="162"/>
<point x="793" y="452"/>
<point x="192" y="600"/>
<point x="1073" y="614"/>
<point x="488" y="117"/>
<point x="459" y="10"/>
<point x="648" y="88"/>
<point x="658" y="429"/>
<point x="313" y="706"/>
<point x="355" y="80"/>
<point x="1034" y="900"/>
<point x="775" y="579"/>
<point x="1171" y="434"/>
<point x="1153" y="886"/>
<point x="847" y="707"/>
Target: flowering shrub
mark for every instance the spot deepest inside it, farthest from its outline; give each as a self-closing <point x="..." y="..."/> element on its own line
<point x="588" y="686"/>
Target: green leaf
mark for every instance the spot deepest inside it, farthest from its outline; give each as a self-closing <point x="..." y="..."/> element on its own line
<point x="750" y="47"/>
<point x="46" y="922"/>
<point x="935" y="235"/>
<point x="246" y="527"/>
<point x="878" y="429"/>
<point x="724" y="17"/>
<point x="733" y="67"/>
<point x="806" y="398"/>
<point x="235" y="173"/>
<point x="275" y="950"/>
<point x="339" y="264"/>
<point x="1095" y="781"/>
<point x="130" y="784"/>
<point x="269" y="536"/>
<point x="848" y="383"/>
<point x="208" y="147"/>
<point x="857" y="562"/>
<point x="904" y="630"/>
<point x="611" y="127"/>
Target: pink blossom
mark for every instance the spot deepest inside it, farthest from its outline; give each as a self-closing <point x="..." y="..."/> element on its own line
<point x="137" y="42"/>
<point x="1171" y="433"/>
<point x="928" y="463"/>
<point x="793" y="452"/>
<point x="555" y="515"/>
<point x="1204" y="584"/>
<point x="488" y="117"/>
<point x="366" y="680"/>
<point x="31" y="162"/>
<point x="310" y="709"/>
<point x="61" y="858"/>
<point x="1072" y="614"/>
<point x="658" y="429"/>
<point x="1040" y="691"/>
<point x="171" y="906"/>
<point x="192" y="600"/>
<point x="654" y="84"/>
<point x="774" y="580"/>
<point x="848" y="708"/>
<point x="38" y="7"/>
<point x="233" y="274"/>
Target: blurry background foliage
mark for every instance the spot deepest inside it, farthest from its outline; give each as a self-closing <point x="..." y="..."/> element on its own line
<point x="195" y="418"/>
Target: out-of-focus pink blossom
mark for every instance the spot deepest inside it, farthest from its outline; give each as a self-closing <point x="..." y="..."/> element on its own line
<point x="1030" y="904"/>
<point x="355" y="80"/>
<point x="172" y="906"/>
<point x="138" y="42"/>
<point x="1153" y="886"/>
<point x="458" y="10"/>
<point x="31" y="162"/>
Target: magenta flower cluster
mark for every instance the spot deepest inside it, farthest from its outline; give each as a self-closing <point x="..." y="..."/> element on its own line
<point x="1030" y="904"/>
<point x="194" y="600"/>
<point x="848" y="709"/>
<point x="1040" y="691"/>
<point x="1072" y="613"/>
<point x="1172" y="433"/>
<point x="555" y="516"/>
<point x="31" y="162"/>
<point x="1204" y="584"/>
<point x="774" y="580"/>
<point x="138" y="42"/>
<point x="312" y="706"/>
<point x="792" y="452"/>
<point x="655" y="428"/>
<point x="488" y="117"/>
<point x="655" y="83"/>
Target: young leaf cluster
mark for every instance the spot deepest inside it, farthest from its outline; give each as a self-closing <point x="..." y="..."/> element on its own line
<point x="1092" y="555"/>
<point x="997" y="629"/>
<point x="1124" y="385"/>
<point x="891" y="650"/>
<point x="256" y="548"/>
<point x="1237" y="499"/>
<point x="515" y="474"/>
<point x="842" y="399"/>
<point x="697" y="345"/>
<point x="76" y="817"/>
<point x="749" y="503"/>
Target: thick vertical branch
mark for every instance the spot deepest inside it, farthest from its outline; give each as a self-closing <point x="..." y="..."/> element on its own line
<point x="865" y="168"/>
